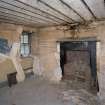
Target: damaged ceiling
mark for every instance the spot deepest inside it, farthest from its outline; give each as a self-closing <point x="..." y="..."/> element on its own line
<point x="40" y="13"/>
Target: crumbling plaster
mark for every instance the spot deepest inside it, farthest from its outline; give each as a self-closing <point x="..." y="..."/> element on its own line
<point x="47" y="49"/>
<point x="12" y="33"/>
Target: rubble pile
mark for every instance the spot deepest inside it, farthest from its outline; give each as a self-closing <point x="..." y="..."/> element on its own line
<point x="79" y="97"/>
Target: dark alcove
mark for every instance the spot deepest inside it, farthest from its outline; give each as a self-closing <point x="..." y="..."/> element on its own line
<point x="78" y="60"/>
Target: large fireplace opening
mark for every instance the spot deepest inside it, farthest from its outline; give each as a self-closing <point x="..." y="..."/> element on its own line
<point x="78" y="63"/>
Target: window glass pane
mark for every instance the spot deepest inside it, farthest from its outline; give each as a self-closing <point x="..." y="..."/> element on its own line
<point x="22" y="50"/>
<point x="25" y="38"/>
<point x="25" y="44"/>
<point x="22" y="39"/>
<point x="27" y="49"/>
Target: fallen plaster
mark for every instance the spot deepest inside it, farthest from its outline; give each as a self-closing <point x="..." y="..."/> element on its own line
<point x="79" y="97"/>
<point x="38" y="91"/>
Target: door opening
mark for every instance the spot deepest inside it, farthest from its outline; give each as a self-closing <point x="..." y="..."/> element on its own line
<point x="78" y="62"/>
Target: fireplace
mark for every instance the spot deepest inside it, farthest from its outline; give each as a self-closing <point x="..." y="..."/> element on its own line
<point x="77" y="65"/>
<point x="78" y="60"/>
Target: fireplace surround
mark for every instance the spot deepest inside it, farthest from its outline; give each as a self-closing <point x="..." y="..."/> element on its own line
<point x="77" y="57"/>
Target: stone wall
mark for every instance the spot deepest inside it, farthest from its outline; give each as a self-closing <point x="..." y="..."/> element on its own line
<point x="47" y="49"/>
<point x="12" y="34"/>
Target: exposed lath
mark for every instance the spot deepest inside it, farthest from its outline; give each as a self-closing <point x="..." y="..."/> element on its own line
<point x="56" y="10"/>
<point x="62" y="1"/>
<point x="88" y="8"/>
<point x="40" y="13"/>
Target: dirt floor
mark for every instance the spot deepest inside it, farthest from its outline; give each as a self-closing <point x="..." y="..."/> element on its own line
<point x="38" y="91"/>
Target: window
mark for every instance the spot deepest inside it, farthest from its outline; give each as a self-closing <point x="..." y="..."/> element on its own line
<point x="4" y="47"/>
<point x="25" y="47"/>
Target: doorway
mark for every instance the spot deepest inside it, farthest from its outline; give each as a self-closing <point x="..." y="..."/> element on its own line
<point x="78" y="62"/>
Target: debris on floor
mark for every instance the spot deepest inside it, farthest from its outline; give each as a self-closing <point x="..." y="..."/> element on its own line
<point x="78" y="97"/>
<point x="38" y="91"/>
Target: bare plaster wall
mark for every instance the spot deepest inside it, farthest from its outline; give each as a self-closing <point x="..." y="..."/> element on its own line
<point x="12" y="33"/>
<point x="44" y="47"/>
<point x="7" y="66"/>
<point x="47" y="47"/>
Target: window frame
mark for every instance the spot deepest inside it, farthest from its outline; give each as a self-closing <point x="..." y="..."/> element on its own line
<point x="23" y="43"/>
